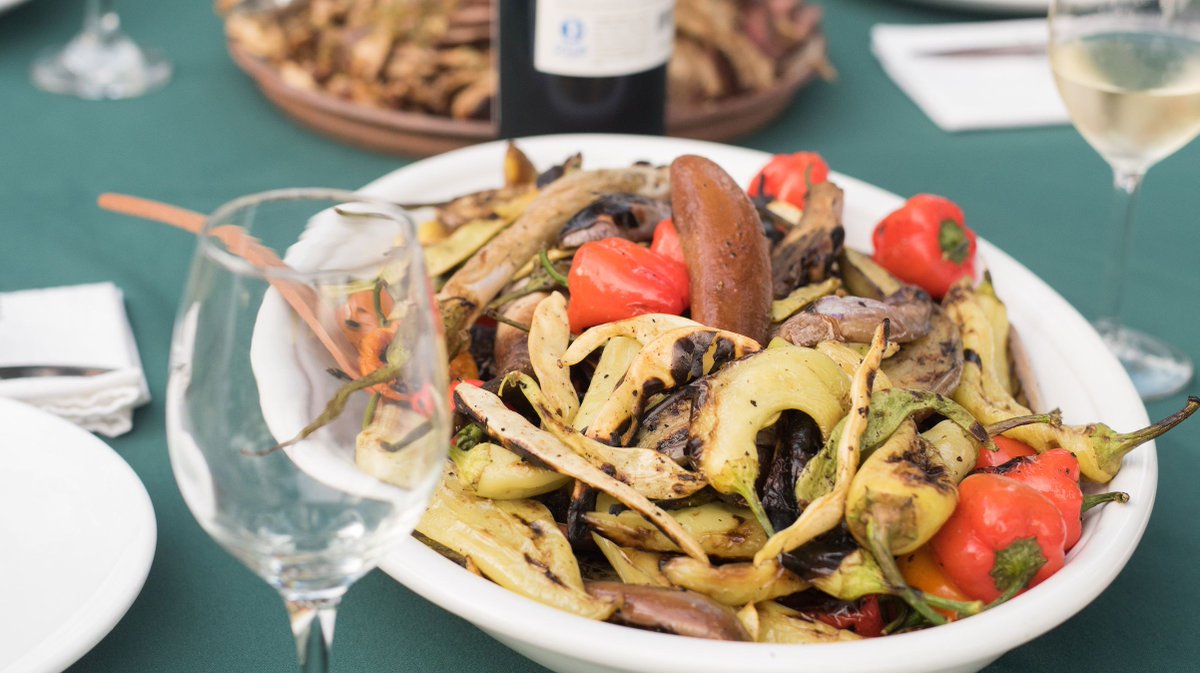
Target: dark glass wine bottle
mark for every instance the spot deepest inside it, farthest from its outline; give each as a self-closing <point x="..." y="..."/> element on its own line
<point x="570" y="66"/>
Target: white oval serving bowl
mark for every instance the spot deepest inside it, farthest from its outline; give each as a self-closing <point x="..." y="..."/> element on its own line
<point x="1075" y="372"/>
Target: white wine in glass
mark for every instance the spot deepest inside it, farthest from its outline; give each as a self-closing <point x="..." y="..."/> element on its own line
<point x="1129" y="74"/>
<point x="307" y="412"/>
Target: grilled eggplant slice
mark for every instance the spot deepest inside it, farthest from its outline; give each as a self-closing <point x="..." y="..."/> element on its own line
<point x="808" y="252"/>
<point x="933" y="362"/>
<point x="685" y="613"/>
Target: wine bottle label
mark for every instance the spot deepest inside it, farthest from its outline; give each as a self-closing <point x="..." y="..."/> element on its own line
<point x="609" y="38"/>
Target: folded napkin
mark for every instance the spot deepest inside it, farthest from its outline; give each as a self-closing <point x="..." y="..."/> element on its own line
<point x="973" y="90"/>
<point x="84" y="326"/>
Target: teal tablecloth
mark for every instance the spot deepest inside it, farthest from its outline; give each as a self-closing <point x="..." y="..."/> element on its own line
<point x="1041" y="194"/>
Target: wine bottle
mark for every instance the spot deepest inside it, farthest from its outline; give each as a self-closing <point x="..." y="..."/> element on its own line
<point x="569" y="66"/>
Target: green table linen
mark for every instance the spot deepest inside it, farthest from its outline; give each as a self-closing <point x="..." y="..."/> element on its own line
<point x="1040" y="194"/>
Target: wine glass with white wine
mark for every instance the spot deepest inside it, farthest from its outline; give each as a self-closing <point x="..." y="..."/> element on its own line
<point x="1129" y="73"/>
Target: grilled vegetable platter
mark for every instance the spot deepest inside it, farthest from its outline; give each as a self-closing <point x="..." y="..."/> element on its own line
<point x="683" y="404"/>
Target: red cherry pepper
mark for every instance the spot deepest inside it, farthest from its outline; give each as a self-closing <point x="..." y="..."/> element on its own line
<point x="613" y="279"/>
<point x="788" y="176"/>
<point x="1054" y="474"/>
<point x="1006" y="449"/>
<point x="666" y="242"/>
<point x="1003" y="537"/>
<point x="926" y="243"/>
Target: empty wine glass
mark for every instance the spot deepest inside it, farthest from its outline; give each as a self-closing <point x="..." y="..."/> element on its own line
<point x="1129" y="73"/>
<point x="306" y="478"/>
<point x="101" y="61"/>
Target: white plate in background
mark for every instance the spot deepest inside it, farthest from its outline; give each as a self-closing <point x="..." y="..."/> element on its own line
<point x="77" y="536"/>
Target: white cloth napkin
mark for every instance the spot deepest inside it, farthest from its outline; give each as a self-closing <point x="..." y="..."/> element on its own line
<point x="84" y="326"/>
<point x="964" y="92"/>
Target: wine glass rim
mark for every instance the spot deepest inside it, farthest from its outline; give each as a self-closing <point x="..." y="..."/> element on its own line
<point x="210" y="248"/>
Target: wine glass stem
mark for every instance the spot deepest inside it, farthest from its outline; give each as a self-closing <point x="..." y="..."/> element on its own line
<point x="101" y="18"/>
<point x="1125" y="190"/>
<point x="312" y="625"/>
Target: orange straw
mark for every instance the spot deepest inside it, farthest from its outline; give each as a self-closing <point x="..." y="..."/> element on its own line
<point x="300" y="297"/>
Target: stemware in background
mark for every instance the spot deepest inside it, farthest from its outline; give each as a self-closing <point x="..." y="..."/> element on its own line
<point x="101" y="61"/>
<point x="1129" y="73"/>
<point x="261" y="347"/>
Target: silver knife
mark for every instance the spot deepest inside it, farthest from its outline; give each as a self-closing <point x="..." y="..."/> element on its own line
<point x="29" y="371"/>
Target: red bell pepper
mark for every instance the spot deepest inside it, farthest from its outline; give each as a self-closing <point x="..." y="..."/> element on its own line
<point x="1003" y="537"/>
<point x="926" y="243"/>
<point x="787" y="177"/>
<point x="613" y="279"/>
<point x="666" y="242"/>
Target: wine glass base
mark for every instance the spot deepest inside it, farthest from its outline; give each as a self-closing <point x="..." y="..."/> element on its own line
<point x="95" y="67"/>
<point x="1157" y="368"/>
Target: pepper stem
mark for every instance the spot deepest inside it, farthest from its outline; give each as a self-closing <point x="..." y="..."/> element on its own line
<point x="530" y="288"/>
<point x="953" y="241"/>
<point x="1090" y="501"/>
<point x="918" y="600"/>
<point x="336" y="404"/>
<point x="1111" y="446"/>
<point x="505" y="321"/>
<point x="377" y="302"/>
<point x="1052" y="418"/>
<point x="369" y="414"/>
<point x="755" y="504"/>
<point x="1014" y="566"/>
<point x="544" y="258"/>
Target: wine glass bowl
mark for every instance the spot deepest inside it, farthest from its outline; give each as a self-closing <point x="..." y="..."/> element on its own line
<point x="1129" y="74"/>
<point x="307" y="478"/>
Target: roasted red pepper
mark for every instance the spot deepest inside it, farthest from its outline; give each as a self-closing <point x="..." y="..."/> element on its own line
<point x="1054" y="474"/>
<point x="613" y="279"/>
<point x="926" y="243"/>
<point x="862" y="617"/>
<point x="787" y="177"/>
<point x="666" y="241"/>
<point x="1006" y="449"/>
<point x="1003" y="537"/>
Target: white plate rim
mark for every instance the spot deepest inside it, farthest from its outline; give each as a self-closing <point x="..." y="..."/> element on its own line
<point x="1093" y="564"/>
<point x="96" y="617"/>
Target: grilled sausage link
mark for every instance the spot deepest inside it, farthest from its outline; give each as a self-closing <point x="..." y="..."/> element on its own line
<point x="728" y="258"/>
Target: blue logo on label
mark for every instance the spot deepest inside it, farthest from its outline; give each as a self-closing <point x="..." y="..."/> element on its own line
<point x="572" y="30"/>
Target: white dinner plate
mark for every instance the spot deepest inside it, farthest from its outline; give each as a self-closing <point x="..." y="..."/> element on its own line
<point x="1075" y="372"/>
<point x="77" y="536"/>
<point x="1023" y="7"/>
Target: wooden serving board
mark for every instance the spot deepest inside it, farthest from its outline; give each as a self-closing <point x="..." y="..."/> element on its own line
<point x="416" y="134"/>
